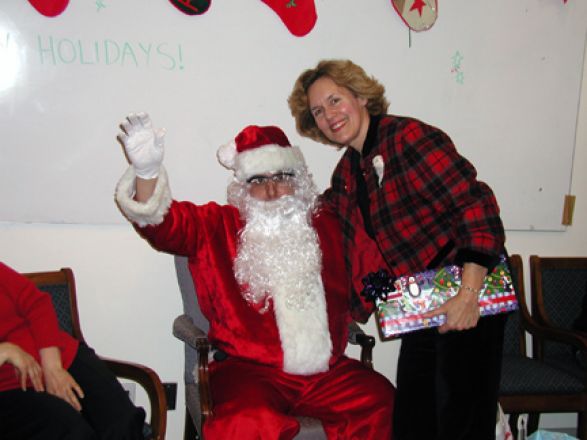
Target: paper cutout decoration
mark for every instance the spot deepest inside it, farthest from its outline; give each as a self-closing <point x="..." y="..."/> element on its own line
<point x="49" y="8"/>
<point x="191" y="7"/>
<point x="418" y="15"/>
<point x="298" y="16"/>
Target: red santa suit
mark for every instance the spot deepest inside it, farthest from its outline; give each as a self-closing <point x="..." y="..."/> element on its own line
<point x="255" y="394"/>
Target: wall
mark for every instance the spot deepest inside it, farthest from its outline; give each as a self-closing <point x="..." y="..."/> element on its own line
<point x="509" y="71"/>
<point x="128" y="296"/>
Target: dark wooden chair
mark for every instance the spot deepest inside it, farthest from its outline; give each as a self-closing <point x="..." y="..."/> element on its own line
<point x="61" y="286"/>
<point x="529" y="384"/>
<point x="192" y="327"/>
<point x="559" y="298"/>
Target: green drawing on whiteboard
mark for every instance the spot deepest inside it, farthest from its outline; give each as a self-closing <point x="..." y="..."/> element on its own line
<point x="100" y="5"/>
<point x="457" y="59"/>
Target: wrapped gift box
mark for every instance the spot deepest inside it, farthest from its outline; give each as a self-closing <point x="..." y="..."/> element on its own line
<point x="401" y="309"/>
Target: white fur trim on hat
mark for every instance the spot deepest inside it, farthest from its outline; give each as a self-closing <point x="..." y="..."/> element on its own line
<point x="153" y="210"/>
<point x="226" y="155"/>
<point x="268" y="158"/>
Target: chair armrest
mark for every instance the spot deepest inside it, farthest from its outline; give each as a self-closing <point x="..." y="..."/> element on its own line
<point x="185" y="330"/>
<point x="559" y="335"/>
<point x="150" y="381"/>
<point x="555" y="334"/>
<point x="358" y="337"/>
<point x="203" y="348"/>
<point x="542" y="333"/>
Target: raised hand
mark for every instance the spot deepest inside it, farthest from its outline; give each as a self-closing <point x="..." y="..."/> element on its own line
<point x="143" y="144"/>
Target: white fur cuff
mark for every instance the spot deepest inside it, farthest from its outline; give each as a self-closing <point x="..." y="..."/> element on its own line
<point x="151" y="212"/>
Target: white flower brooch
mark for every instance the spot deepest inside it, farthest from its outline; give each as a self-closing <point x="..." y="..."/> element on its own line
<point x="379" y="167"/>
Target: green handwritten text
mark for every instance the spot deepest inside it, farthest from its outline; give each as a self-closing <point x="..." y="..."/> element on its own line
<point x="158" y="55"/>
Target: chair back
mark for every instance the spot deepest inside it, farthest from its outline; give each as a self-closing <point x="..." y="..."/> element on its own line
<point x="188" y="293"/>
<point x="514" y="340"/>
<point x="559" y="298"/>
<point x="60" y="285"/>
<point x="190" y="308"/>
<point x="559" y="286"/>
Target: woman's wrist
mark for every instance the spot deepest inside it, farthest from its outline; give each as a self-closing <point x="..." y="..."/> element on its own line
<point x="50" y="358"/>
<point x="470" y="289"/>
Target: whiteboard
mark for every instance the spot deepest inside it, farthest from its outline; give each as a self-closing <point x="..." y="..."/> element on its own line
<point x="502" y="78"/>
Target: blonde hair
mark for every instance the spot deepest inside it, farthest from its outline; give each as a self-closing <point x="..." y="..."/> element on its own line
<point x="344" y="73"/>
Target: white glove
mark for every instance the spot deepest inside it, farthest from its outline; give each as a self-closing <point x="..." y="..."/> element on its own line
<point x="143" y="144"/>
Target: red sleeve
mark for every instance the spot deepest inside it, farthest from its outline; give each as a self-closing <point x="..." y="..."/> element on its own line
<point x="31" y="304"/>
<point x="186" y="227"/>
<point x="446" y="178"/>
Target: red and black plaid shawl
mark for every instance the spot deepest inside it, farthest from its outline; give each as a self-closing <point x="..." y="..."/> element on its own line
<point x="429" y="208"/>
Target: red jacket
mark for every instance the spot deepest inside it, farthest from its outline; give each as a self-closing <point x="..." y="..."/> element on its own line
<point x="27" y="319"/>
<point x="428" y="209"/>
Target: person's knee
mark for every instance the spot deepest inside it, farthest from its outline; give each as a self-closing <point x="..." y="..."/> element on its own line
<point x="253" y="410"/>
<point x="79" y="430"/>
<point x="128" y="425"/>
<point x="41" y="429"/>
<point x="249" y="421"/>
<point x="380" y="408"/>
<point x="62" y="421"/>
<point x="382" y="394"/>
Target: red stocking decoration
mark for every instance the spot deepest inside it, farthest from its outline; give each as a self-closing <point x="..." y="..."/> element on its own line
<point x="299" y="16"/>
<point x="49" y="8"/>
<point x="191" y="7"/>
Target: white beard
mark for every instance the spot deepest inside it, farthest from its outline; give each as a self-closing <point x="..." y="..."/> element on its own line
<point x="279" y="261"/>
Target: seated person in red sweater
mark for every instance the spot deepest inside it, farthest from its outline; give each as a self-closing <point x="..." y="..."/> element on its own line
<point x="51" y="385"/>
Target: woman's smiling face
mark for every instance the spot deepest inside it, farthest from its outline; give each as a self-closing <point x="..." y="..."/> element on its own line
<point x="340" y="115"/>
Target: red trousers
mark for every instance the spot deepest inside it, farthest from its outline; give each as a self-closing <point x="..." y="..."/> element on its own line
<point x="254" y="401"/>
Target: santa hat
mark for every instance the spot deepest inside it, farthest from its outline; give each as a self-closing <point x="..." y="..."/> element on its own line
<point x="260" y="150"/>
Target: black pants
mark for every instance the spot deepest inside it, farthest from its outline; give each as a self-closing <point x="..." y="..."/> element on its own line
<point x="447" y="385"/>
<point x="107" y="412"/>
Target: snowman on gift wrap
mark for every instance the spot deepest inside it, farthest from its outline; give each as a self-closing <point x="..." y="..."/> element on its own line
<point x="414" y="301"/>
<point x="413" y="287"/>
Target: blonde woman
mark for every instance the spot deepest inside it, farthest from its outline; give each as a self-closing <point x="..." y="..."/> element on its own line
<point x="408" y="201"/>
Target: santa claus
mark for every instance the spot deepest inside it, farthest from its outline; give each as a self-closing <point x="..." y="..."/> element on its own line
<point x="269" y="274"/>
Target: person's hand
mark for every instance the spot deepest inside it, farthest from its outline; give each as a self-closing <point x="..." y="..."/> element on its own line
<point x="25" y="365"/>
<point x="462" y="312"/>
<point x="143" y="144"/>
<point x="59" y="383"/>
